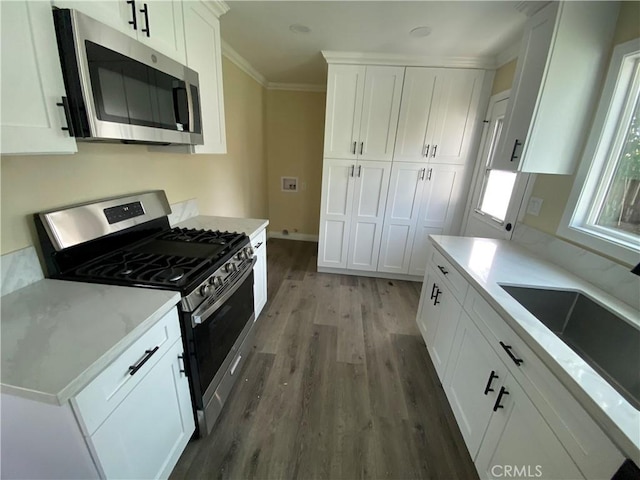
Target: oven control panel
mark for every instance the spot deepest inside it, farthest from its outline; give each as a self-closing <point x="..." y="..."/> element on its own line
<point x="123" y="212"/>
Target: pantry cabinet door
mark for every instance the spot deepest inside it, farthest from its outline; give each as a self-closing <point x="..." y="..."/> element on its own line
<point x="401" y="216"/>
<point x="440" y="196"/>
<point x="453" y="115"/>
<point x="417" y="98"/>
<point x="32" y="84"/>
<point x="518" y="436"/>
<point x="345" y="85"/>
<point x="369" y="199"/>
<point x="472" y="364"/>
<point x="166" y="30"/>
<point x="336" y="207"/>
<point x="380" y="109"/>
<point x="204" y="55"/>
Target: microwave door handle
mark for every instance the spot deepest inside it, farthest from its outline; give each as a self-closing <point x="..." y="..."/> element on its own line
<point x="190" y="107"/>
<point x="176" y="103"/>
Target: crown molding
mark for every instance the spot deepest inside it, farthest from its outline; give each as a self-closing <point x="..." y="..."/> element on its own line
<point x="297" y="87"/>
<point x="508" y="54"/>
<point x="402" y="60"/>
<point x="218" y="7"/>
<point x="243" y="64"/>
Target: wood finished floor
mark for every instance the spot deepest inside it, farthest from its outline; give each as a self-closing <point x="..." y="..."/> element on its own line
<point x="339" y="385"/>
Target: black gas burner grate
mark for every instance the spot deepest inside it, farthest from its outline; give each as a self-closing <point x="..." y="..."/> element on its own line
<point x="169" y="270"/>
<point x="200" y="236"/>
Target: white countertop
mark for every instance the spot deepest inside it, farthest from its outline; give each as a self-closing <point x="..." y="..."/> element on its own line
<point x="57" y="336"/>
<point x="250" y="226"/>
<point x="486" y="263"/>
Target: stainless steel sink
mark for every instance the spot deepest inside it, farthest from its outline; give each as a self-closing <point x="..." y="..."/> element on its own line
<point x="607" y="342"/>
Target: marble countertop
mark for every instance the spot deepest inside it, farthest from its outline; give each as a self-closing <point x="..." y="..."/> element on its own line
<point x="486" y="263"/>
<point x="57" y="336"/>
<point x="250" y="226"/>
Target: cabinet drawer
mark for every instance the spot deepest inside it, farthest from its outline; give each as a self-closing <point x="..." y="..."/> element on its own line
<point x="98" y="399"/>
<point x="588" y="445"/>
<point x="452" y="276"/>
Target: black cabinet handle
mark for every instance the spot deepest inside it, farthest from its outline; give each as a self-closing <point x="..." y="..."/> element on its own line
<point x="433" y="153"/>
<point x="443" y="270"/>
<point x="496" y="406"/>
<point x="426" y="150"/>
<point x="354" y="147"/>
<point x="67" y="116"/>
<point x="134" y="17"/>
<point x="423" y="172"/>
<point x="492" y="376"/>
<point x="351" y="170"/>
<point x="181" y="357"/>
<point x="359" y="170"/>
<point x="508" y="348"/>
<point x="435" y="300"/>
<point x="513" y="152"/>
<point x="145" y="10"/>
<point x="433" y="291"/>
<point x="148" y="354"/>
<point x="361" y="147"/>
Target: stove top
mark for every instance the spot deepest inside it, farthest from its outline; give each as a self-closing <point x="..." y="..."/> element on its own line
<point x="175" y="259"/>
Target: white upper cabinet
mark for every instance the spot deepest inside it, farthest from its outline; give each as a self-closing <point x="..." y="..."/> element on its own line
<point x="33" y="119"/>
<point x="438" y="114"/>
<point x="204" y="55"/>
<point x="363" y="103"/>
<point x="564" y="52"/>
<point x="157" y="23"/>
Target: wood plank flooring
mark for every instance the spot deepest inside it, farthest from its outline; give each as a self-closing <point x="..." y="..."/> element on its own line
<point x="339" y="385"/>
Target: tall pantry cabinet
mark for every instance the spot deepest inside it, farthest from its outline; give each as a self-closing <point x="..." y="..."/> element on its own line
<point x="397" y="144"/>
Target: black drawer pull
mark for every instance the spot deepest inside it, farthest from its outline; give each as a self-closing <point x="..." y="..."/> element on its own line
<point x="443" y="270"/>
<point x="435" y="300"/>
<point x="134" y="18"/>
<point x="496" y="406"/>
<point x="148" y="354"/>
<point x="183" y="369"/>
<point x="433" y="291"/>
<point x="145" y="10"/>
<point x="492" y="376"/>
<point x="513" y="152"/>
<point x="507" y="348"/>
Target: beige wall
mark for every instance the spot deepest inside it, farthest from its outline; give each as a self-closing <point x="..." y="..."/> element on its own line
<point x="295" y="129"/>
<point x="233" y="184"/>
<point x="504" y="77"/>
<point x="555" y="189"/>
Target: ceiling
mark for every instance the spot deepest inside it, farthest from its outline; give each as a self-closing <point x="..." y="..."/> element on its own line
<point x="260" y="32"/>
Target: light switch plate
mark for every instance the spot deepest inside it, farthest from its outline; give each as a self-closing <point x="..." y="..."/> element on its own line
<point x="535" y="204"/>
<point x="289" y="184"/>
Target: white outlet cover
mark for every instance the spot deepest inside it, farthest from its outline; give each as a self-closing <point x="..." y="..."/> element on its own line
<point x="535" y="204"/>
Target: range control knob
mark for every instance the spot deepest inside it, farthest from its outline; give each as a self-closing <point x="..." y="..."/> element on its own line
<point x="249" y="250"/>
<point x="206" y="290"/>
<point x="230" y="267"/>
<point x="217" y="282"/>
<point x="241" y="255"/>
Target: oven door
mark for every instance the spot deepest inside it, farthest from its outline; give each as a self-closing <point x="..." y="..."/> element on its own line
<point x="219" y="334"/>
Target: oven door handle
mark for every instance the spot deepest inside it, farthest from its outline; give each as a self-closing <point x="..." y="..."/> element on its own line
<point x="202" y="313"/>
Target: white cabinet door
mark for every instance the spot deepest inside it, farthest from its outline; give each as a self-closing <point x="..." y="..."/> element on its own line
<point x="401" y="216"/>
<point x="335" y="212"/>
<point x="417" y="98"/>
<point x="202" y="33"/>
<point x="164" y="23"/>
<point x="524" y="92"/>
<point x="345" y="84"/>
<point x="438" y="114"/>
<point x="518" y="436"/>
<point x="369" y="199"/>
<point x="147" y="432"/>
<point x="445" y="328"/>
<point x="259" y="245"/>
<point x="380" y="109"/>
<point x="440" y="196"/>
<point x="32" y="84"/>
<point x="118" y="14"/>
<point x="428" y="313"/>
<point x="473" y="367"/>
<point x="453" y="114"/>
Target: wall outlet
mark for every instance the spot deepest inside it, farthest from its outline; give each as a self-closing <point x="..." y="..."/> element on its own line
<point x="535" y="204"/>
<point x="289" y="184"/>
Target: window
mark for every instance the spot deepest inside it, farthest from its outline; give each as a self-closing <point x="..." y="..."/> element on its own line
<point x="603" y="211"/>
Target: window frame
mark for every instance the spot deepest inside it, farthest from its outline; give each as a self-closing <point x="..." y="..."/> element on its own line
<point x="596" y="168"/>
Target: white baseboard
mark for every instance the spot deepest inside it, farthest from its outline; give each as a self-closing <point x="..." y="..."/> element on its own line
<point x="363" y="273"/>
<point x="305" y="237"/>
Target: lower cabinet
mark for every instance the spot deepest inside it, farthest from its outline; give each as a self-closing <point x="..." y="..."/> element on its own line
<point x="259" y="244"/>
<point x="146" y="434"/>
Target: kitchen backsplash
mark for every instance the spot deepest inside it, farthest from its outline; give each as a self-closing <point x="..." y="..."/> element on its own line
<point x="22" y="267"/>
<point x="611" y="277"/>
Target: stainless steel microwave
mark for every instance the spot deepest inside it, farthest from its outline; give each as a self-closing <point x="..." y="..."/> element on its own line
<point x="118" y="89"/>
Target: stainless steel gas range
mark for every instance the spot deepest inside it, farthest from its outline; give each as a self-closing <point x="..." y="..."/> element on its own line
<point x="128" y="241"/>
